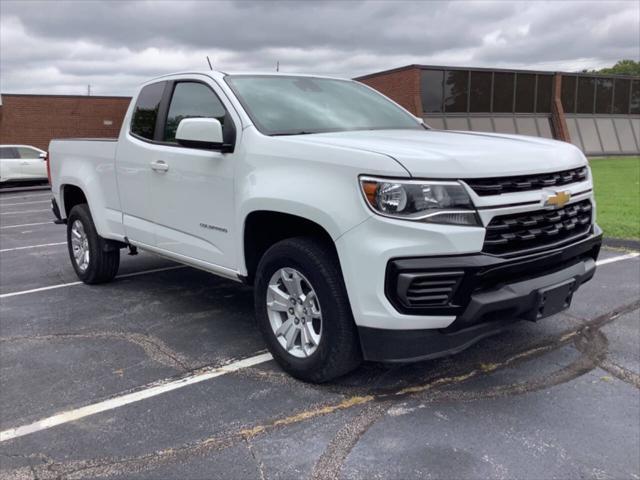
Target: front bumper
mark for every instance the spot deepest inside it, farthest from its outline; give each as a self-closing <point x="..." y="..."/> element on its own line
<point x="490" y="294"/>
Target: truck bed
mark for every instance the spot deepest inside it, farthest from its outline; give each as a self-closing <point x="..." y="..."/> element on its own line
<point x="90" y="161"/>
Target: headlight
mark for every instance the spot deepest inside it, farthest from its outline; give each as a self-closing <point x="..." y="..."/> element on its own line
<point x="417" y="200"/>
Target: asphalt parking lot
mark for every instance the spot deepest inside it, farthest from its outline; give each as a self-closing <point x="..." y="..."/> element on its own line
<point x="161" y="374"/>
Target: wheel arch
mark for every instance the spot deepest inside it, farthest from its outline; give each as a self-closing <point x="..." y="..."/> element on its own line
<point x="71" y="195"/>
<point x="264" y="228"/>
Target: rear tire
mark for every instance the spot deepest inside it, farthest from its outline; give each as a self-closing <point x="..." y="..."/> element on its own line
<point x="335" y="348"/>
<point x="92" y="258"/>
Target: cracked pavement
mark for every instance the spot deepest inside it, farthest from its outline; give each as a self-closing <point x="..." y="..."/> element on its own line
<point x="553" y="399"/>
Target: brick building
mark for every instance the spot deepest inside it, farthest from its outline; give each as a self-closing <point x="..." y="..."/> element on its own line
<point x="598" y="113"/>
<point x="36" y="119"/>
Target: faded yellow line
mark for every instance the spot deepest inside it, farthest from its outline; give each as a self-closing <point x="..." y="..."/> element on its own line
<point x="307" y="414"/>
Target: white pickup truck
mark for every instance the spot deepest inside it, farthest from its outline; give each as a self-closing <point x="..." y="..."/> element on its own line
<point x="366" y="234"/>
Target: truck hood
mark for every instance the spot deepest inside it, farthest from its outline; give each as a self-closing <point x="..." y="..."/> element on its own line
<point x="453" y="154"/>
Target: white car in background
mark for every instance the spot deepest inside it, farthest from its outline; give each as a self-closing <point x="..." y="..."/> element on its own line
<point x="22" y="163"/>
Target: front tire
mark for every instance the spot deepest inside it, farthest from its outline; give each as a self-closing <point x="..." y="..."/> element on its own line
<point x="93" y="260"/>
<point x="303" y="311"/>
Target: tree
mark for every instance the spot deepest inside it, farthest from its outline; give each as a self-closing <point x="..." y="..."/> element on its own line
<point x="623" y="67"/>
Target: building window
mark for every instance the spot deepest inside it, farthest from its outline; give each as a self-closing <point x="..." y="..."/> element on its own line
<point x="143" y="122"/>
<point x="456" y="89"/>
<point x="480" y="95"/>
<point x="503" y="92"/>
<point x="192" y="100"/>
<point x="621" y="96"/>
<point x="635" y="97"/>
<point x="568" y="93"/>
<point x="604" y="95"/>
<point x="525" y="92"/>
<point x="431" y="82"/>
<point x="586" y="93"/>
<point x="543" y="98"/>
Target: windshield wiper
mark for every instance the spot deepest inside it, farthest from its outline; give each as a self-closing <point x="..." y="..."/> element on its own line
<point x="302" y="132"/>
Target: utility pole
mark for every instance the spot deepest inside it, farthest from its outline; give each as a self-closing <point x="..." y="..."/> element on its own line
<point x="278" y="66"/>
<point x="88" y="90"/>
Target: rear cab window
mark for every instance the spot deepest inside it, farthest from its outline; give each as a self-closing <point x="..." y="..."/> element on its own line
<point x="145" y="114"/>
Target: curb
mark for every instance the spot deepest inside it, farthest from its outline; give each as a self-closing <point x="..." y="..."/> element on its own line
<point x="621" y="243"/>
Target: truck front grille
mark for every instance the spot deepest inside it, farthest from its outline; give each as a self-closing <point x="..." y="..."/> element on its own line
<point x="507" y="234"/>
<point x="430" y="289"/>
<point x="496" y="186"/>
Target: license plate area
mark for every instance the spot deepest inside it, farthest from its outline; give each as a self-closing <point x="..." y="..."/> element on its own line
<point x="555" y="298"/>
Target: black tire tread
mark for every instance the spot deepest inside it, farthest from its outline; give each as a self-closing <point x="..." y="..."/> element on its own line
<point x="103" y="263"/>
<point x="343" y="354"/>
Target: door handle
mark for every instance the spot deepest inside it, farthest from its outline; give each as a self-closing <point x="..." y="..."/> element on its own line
<point x="159" y="166"/>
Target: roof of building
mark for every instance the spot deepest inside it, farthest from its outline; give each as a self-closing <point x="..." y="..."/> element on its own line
<point x="484" y="69"/>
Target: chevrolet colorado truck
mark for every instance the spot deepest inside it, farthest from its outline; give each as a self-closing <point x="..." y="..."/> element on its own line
<point x="365" y="233"/>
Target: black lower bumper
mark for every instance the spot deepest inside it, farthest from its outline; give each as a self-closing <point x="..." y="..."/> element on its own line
<point x="491" y="294"/>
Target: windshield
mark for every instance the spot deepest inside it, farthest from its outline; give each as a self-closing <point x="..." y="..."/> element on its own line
<point x="283" y="105"/>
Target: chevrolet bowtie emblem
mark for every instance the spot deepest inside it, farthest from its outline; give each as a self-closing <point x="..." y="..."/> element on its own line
<point x="556" y="199"/>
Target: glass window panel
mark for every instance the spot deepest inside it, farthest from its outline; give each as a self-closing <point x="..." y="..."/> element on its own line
<point x="604" y="95"/>
<point x="455" y="90"/>
<point x="431" y="87"/>
<point x="525" y="92"/>
<point x="543" y="102"/>
<point x="143" y="122"/>
<point x="586" y="91"/>
<point x="192" y="100"/>
<point x="289" y="105"/>
<point x="635" y="97"/>
<point x="568" y="94"/>
<point x="480" y="98"/>
<point x="9" y="153"/>
<point x="621" y="95"/>
<point x="503" y="92"/>
<point x="26" y="152"/>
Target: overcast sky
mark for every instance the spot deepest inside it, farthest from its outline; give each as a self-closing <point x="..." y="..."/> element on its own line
<point x="60" y="47"/>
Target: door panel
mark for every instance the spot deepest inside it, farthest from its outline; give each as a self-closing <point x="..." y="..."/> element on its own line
<point x="193" y="198"/>
<point x="193" y="205"/>
<point x="133" y="157"/>
<point x="9" y="163"/>
<point x="31" y="165"/>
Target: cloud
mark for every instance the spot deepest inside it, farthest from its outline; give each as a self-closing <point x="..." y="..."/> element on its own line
<point x="60" y="47"/>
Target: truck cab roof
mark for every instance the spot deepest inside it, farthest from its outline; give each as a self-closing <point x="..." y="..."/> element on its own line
<point x="219" y="75"/>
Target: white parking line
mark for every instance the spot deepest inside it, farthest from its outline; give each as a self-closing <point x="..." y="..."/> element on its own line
<point x="628" y="256"/>
<point x="70" y="284"/>
<point x="27" y="225"/>
<point x="22" y="203"/>
<point x="25" y="211"/>
<point x="32" y="246"/>
<point x="25" y="195"/>
<point x="156" y="388"/>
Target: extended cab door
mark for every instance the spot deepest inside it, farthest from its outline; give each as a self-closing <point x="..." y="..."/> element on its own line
<point x="193" y="189"/>
<point x="137" y="149"/>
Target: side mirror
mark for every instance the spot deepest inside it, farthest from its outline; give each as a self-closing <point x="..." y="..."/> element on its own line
<point x="43" y="156"/>
<point x="205" y="133"/>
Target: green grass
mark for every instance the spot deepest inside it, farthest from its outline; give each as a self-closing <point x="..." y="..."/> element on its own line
<point x="617" y="187"/>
